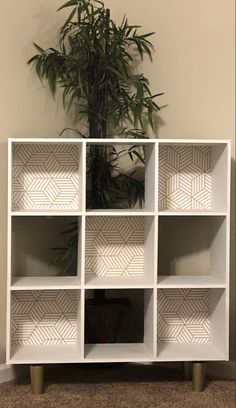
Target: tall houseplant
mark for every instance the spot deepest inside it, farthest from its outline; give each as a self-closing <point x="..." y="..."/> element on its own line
<point x="95" y="64"/>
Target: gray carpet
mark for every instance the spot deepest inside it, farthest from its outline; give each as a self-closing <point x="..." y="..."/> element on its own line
<point x="117" y="386"/>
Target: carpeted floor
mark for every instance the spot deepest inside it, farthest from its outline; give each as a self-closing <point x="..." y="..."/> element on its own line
<point x="117" y="386"/>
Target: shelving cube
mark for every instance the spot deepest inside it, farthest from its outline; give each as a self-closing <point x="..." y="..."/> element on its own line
<point x="173" y="253"/>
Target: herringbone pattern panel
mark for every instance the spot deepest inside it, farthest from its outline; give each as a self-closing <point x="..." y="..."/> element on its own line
<point x="47" y="317"/>
<point x="183" y="316"/>
<point x="114" y="246"/>
<point x="45" y="176"/>
<point x="184" y="177"/>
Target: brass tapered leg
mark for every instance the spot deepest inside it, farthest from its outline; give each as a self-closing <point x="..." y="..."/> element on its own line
<point x="37" y="379"/>
<point x="187" y="367"/>
<point x="199" y="376"/>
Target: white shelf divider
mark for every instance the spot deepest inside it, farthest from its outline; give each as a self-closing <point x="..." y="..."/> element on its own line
<point x="45" y="282"/>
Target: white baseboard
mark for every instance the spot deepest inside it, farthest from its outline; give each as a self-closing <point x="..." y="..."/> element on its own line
<point x="6" y="373"/>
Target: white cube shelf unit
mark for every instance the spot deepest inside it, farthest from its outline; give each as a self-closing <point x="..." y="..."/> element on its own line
<point x="170" y="259"/>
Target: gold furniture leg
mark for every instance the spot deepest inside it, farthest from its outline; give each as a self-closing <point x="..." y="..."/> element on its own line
<point x="37" y="379"/>
<point x="198" y="376"/>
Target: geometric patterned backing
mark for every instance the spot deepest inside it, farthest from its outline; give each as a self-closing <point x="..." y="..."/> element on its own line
<point x="44" y="317"/>
<point x="183" y="316"/>
<point x="184" y="177"/>
<point x="114" y="246"/>
<point x="45" y="176"/>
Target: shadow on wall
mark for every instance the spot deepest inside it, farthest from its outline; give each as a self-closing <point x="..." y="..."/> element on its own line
<point x="232" y="264"/>
<point x="3" y="247"/>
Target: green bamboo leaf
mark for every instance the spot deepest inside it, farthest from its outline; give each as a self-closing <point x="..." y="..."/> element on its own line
<point x="39" y="49"/>
<point x="68" y="4"/>
<point x="139" y="156"/>
<point x="69" y="19"/>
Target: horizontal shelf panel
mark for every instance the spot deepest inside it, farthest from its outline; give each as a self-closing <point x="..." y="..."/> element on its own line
<point x="50" y="140"/>
<point x="117" y="352"/>
<point x="45" y="282"/>
<point x="125" y="212"/>
<point x="188" y="352"/>
<point x="193" y="141"/>
<point x="168" y="282"/>
<point x="46" y="213"/>
<point x="192" y="213"/>
<point x="44" y="354"/>
<point x="118" y="140"/>
<point x="114" y="282"/>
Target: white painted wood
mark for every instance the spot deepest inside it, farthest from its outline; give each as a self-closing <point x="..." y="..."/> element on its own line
<point x="45" y="282"/>
<point x="149" y="326"/>
<point x="48" y="213"/>
<point x="217" y="280"/>
<point x="193" y="246"/>
<point x="180" y="212"/>
<point x="150" y="177"/>
<point x="219" y="317"/>
<point x="123" y="282"/>
<point x="117" y="352"/>
<point x="120" y="213"/>
<point x="219" y="175"/>
<point x="45" y="354"/>
<point x="172" y="282"/>
<point x="9" y="253"/>
<point x="189" y="352"/>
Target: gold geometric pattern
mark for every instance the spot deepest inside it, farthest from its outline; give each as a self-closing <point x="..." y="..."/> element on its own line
<point x="183" y="316"/>
<point x="184" y="177"/>
<point x="114" y="246"/>
<point x="44" y="317"/>
<point x="45" y="176"/>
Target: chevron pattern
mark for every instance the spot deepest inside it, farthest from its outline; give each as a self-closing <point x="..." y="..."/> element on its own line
<point x="45" y="176"/>
<point x="47" y="317"/>
<point x="183" y="316"/>
<point x="184" y="177"/>
<point x="114" y="246"/>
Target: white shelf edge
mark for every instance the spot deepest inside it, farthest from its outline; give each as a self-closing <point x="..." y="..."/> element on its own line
<point x="170" y="213"/>
<point x="117" y="140"/>
<point x="189" y="352"/>
<point x="45" y="354"/>
<point x="45" y="283"/>
<point x="117" y="213"/>
<point x="45" y="213"/>
<point x="208" y="282"/>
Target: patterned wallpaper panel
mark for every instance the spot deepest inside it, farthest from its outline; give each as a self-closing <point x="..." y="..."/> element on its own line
<point x="47" y="317"/>
<point x="184" y="177"/>
<point x="45" y="176"/>
<point x="114" y="246"/>
<point x="183" y="316"/>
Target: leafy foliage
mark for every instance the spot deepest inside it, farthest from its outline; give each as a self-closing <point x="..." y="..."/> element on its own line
<point x="95" y="64"/>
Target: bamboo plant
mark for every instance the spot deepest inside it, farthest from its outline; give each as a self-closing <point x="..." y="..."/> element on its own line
<point x="95" y="65"/>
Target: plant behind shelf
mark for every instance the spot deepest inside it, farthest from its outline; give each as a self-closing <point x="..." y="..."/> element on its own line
<point x="96" y="67"/>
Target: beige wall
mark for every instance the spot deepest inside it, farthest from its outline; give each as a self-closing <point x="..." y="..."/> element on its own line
<point x="193" y="65"/>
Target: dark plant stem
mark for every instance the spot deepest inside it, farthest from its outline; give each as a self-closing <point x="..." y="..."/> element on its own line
<point x="104" y="98"/>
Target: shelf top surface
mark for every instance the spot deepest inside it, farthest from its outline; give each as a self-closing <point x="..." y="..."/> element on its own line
<point x="57" y="140"/>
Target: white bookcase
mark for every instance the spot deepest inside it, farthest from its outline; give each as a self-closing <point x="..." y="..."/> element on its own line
<point x="173" y="253"/>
